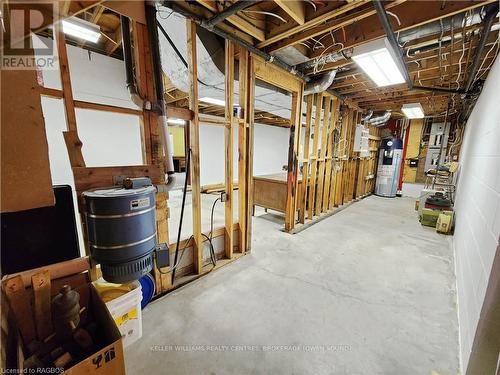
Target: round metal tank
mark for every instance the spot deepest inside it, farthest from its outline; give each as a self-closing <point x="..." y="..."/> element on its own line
<point x="121" y="226"/>
<point x="389" y="165"/>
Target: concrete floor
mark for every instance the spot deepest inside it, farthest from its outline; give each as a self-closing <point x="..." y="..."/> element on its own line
<point x="366" y="291"/>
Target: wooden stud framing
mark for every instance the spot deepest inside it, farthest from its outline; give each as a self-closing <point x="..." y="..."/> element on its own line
<point x="314" y="156"/>
<point x="228" y="145"/>
<point x="73" y="143"/>
<point x="194" y="142"/>
<point x="322" y="155"/>
<point x="306" y="161"/>
<point x="249" y="115"/>
<point x="242" y="148"/>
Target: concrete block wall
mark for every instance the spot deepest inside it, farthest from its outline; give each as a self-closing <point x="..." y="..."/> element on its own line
<point x="477" y="210"/>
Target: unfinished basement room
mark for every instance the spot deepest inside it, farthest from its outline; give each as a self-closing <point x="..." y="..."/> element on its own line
<point x="250" y="187"/>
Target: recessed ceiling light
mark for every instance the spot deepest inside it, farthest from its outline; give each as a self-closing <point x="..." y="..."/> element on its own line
<point x="376" y="60"/>
<point x="413" y="110"/>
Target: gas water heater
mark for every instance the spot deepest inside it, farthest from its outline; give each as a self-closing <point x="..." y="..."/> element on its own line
<point x="389" y="165"/>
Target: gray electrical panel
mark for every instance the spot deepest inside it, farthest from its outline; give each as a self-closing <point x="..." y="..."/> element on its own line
<point x="439" y="134"/>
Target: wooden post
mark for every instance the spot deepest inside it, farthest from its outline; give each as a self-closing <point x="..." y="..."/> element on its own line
<point x="293" y="147"/>
<point x="306" y="161"/>
<point x="73" y="143"/>
<point x="151" y="140"/>
<point x="250" y="106"/>
<point x="322" y="155"/>
<point x="329" y="154"/>
<point x="228" y="144"/>
<point x="194" y="142"/>
<point x="314" y="156"/>
<point x="242" y="148"/>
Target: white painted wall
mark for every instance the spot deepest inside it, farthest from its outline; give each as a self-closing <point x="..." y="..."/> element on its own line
<point x="109" y="139"/>
<point x="270" y="149"/>
<point x="477" y="209"/>
<point x="270" y="152"/>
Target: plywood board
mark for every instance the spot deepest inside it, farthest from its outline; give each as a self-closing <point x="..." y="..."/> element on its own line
<point x="26" y="180"/>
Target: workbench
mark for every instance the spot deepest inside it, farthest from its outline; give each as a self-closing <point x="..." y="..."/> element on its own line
<point x="270" y="191"/>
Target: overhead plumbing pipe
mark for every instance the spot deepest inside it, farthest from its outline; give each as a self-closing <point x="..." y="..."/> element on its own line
<point x="488" y="22"/>
<point x="229" y="11"/>
<point x="127" y="55"/>
<point x="145" y="104"/>
<point x="216" y="30"/>
<point x="161" y="105"/>
<point x="321" y="84"/>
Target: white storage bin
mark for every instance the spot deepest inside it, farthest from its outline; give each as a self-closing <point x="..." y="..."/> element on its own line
<point x="125" y="308"/>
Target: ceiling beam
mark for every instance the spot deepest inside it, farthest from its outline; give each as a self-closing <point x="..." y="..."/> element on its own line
<point x="314" y="21"/>
<point x="295" y="9"/>
<point x="236" y="20"/>
<point x="336" y="23"/>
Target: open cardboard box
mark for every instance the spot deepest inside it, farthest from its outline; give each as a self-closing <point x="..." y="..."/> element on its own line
<point x="107" y="357"/>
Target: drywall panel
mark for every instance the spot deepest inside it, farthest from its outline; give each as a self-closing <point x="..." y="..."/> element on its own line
<point x="270" y="149"/>
<point x="109" y="139"/>
<point x="26" y="181"/>
<point x="477" y="209"/>
<point x="95" y="78"/>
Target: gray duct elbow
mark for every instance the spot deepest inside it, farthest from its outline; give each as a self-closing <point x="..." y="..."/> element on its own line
<point x="380" y="120"/>
<point x="321" y="84"/>
<point x="368" y="115"/>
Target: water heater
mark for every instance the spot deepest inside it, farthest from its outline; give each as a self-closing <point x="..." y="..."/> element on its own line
<point x="389" y="165"/>
<point x="121" y="226"/>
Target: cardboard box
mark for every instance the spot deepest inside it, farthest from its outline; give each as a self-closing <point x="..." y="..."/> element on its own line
<point x="107" y="358"/>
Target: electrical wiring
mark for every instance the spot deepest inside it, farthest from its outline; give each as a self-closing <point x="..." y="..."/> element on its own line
<point x="478" y="74"/>
<point x="461" y="57"/>
<point x="440" y="57"/>
<point x="310" y="2"/>
<point x="395" y="16"/>
<point x="316" y="42"/>
<point x="267" y="14"/>
<point x="181" y="219"/>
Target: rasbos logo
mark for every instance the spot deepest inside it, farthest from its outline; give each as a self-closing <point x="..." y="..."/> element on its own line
<point x="22" y="48"/>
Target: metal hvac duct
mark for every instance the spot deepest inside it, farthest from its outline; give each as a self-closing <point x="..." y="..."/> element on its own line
<point x="367" y="116"/>
<point x="379" y="120"/>
<point x="321" y="84"/>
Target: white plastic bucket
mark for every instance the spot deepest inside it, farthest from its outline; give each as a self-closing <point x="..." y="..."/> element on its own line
<point x="125" y="308"/>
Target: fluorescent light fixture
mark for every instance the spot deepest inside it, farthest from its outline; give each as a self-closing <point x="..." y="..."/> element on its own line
<point x="218" y="102"/>
<point x="81" y="29"/>
<point x="176" y="121"/>
<point x="413" y="110"/>
<point x="376" y="60"/>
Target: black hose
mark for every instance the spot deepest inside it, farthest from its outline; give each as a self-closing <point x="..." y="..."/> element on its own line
<point x="188" y="165"/>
